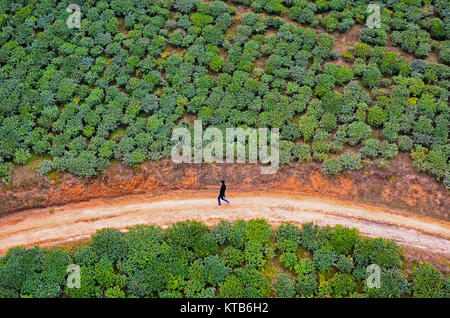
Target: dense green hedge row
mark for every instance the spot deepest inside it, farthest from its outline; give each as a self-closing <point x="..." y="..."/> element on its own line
<point x="416" y="26"/>
<point x="241" y="259"/>
<point x="116" y="87"/>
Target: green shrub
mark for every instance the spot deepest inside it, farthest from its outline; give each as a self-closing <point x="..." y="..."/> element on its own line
<point x="371" y="148"/>
<point x="362" y="50"/>
<point x="377" y="116"/>
<point x="110" y="243"/>
<point x="302" y="152"/>
<point x="288" y="237"/>
<point x="231" y="234"/>
<point x="388" y="151"/>
<point x="350" y="161"/>
<point x="183" y="6"/>
<point x="377" y="36"/>
<point x="358" y="132"/>
<point x="312" y="237"/>
<point x="444" y="53"/>
<point x="371" y="76"/>
<point x="304" y="266"/>
<point x="232" y="256"/>
<point x="393" y="284"/>
<point x="437" y="29"/>
<point x="186" y="234"/>
<point x="254" y="254"/>
<point x="22" y="156"/>
<point x="200" y="19"/>
<point x="33" y="272"/>
<point x="344" y="264"/>
<point x="285" y="287"/>
<point x="342" y="285"/>
<point x="307" y="124"/>
<point x="148" y="262"/>
<point x="328" y="122"/>
<point x="258" y="230"/>
<point x="332" y="166"/>
<point x="386" y="253"/>
<point x="343" y="239"/>
<point x="289" y="260"/>
<point x="215" y="269"/>
<point x="5" y="171"/>
<point x="232" y="287"/>
<point x="428" y="281"/>
<point x="390" y="131"/>
<point x="324" y="259"/>
<point x="306" y="285"/>
<point x="216" y="63"/>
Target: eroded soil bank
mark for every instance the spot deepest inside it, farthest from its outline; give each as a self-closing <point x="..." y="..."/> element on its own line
<point x="422" y="236"/>
<point x="399" y="187"/>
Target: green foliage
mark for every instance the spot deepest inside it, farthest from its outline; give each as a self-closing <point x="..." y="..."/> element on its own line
<point x="444" y="54"/>
<point x="258" y="230"/>
<point x="232" y="256"/>
<point x="358" y="132"/>
<point x="388" y="151"/>
<point x="371" y="76"/>
<point x="5" y="171"/>
<point x="393" y="284"/>
<point x="377" y="116"/>
<point x="147" y="261"/>
<point x="405" y="143"/>
<point x="302" y="152"/>
<point x="376" y="36"/>
<point x="342" y="284"/>
<point x="216" y="63"/>
<point x="304" y="266"/>
<point x="34" y="272"/>
<point x="350" y="161"/>
<point x="307" y="124"/>
<point x="324" y="258"/>
<point x="306" y="285"/>
<point x="231" y="234"/>
<point x="362" y="50"/>
<point x="289" y="260"/>
<point x="379" y="251"/>
<point x="344" y="264"/>
<point x="332" y="166"/>
<point x="428" y="282"/>
<point x="288" y="237"/>
<point x="116" y="90"/>
<point x="371" y="148"/>
<point x="343" y="239"/>
<point x="183" y="6"/>
<point x="312" y="237"/>
<point x="215" y="269"/>
<point x="437" y="29"/>
<point x="110" y="243"/>
<point x="186" y="234"/>
<point x="285" y="287"/>
<point x="200" y="19"/>
<point x="232" y="287"/>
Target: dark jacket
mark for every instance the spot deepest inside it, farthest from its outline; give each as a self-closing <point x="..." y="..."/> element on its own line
<point x="222" y="190"/>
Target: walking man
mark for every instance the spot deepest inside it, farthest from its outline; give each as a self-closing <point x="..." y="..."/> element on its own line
<point x="223" y="187"/>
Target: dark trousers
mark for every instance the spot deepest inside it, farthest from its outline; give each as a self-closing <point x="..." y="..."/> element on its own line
<point x="221" y="196"/>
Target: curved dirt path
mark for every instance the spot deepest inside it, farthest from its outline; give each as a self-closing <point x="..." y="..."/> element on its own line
<point x="72" y="222"/>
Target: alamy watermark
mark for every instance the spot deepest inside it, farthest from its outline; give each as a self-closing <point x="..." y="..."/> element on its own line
<point x="243" y="144"/>
<point x="74" y="20"/>
<point x="374" y="17"/>
<point x="374" y="278"/>
<point x="74" y="277"/>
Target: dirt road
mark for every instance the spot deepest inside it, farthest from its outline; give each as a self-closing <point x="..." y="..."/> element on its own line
<point x="52" y="226"/>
